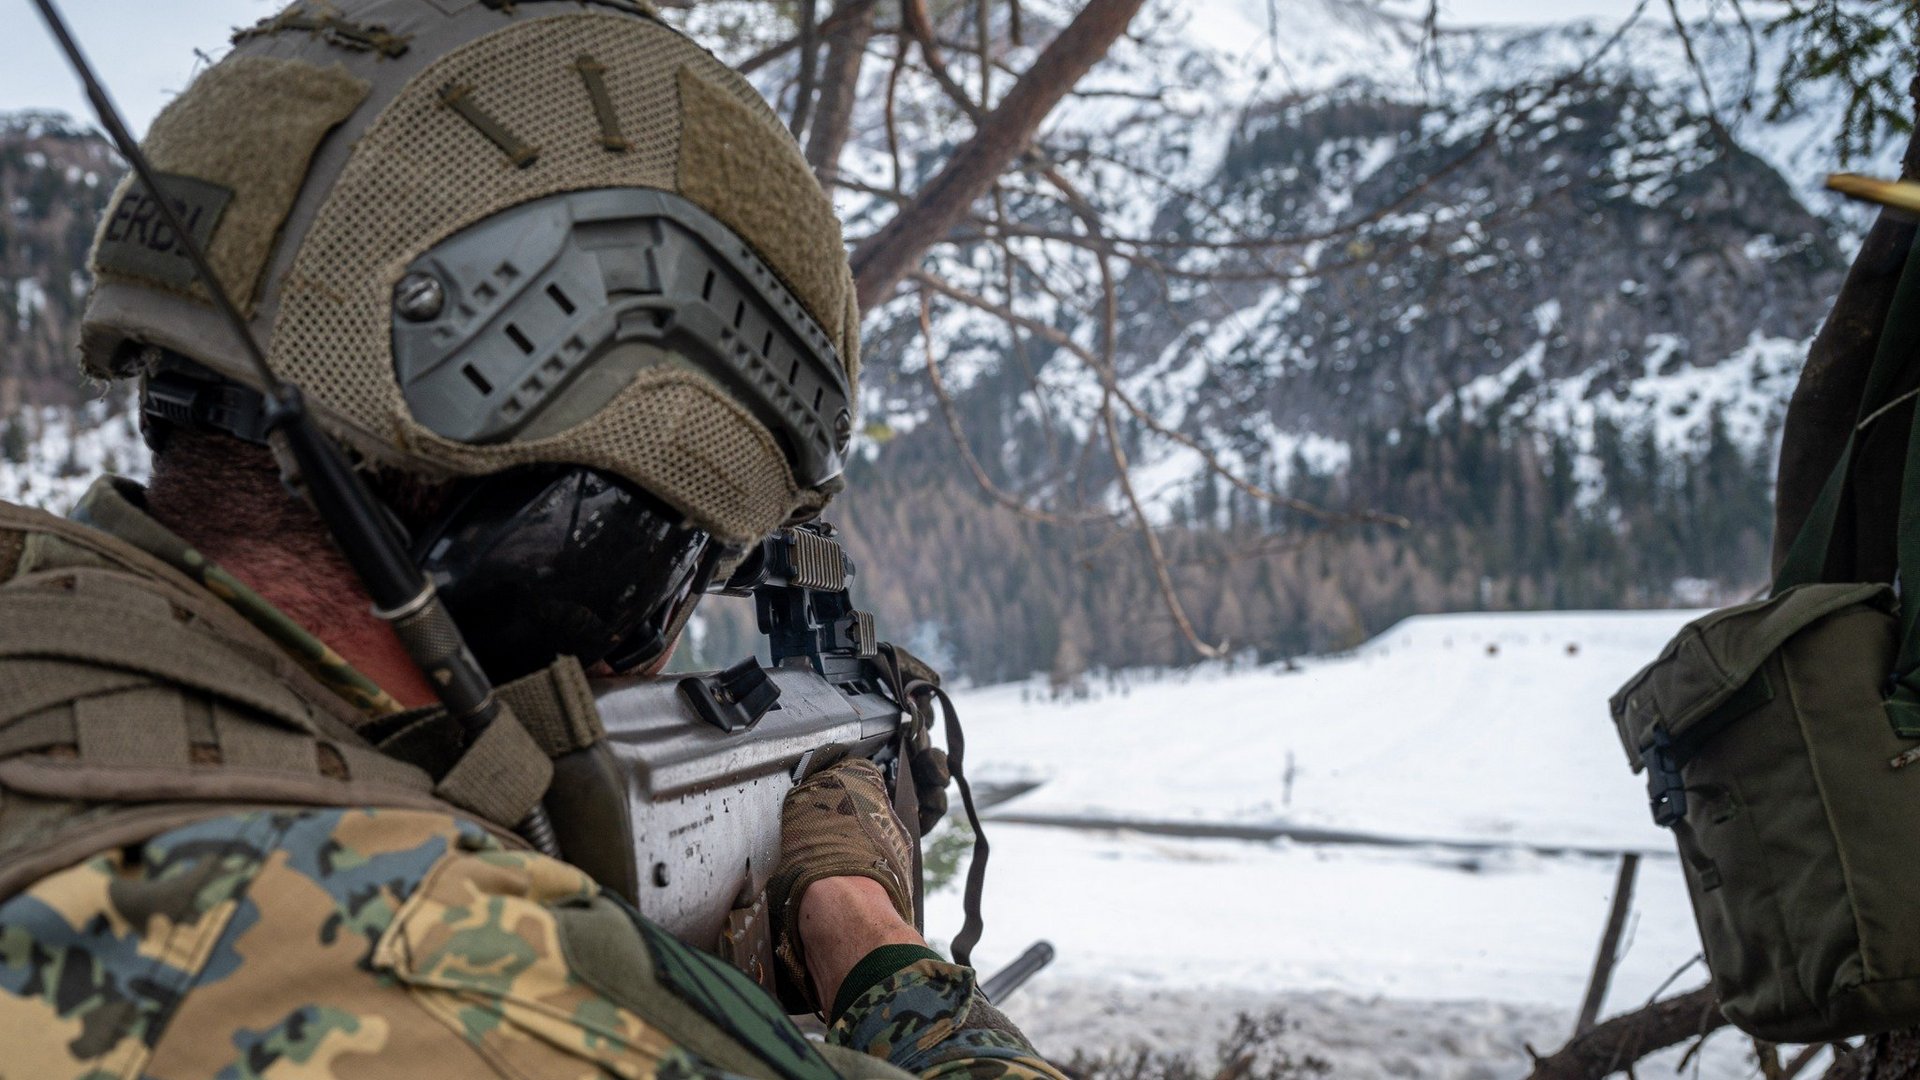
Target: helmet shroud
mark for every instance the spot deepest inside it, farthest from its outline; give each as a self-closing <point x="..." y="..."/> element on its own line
<point x="338" y="146"/>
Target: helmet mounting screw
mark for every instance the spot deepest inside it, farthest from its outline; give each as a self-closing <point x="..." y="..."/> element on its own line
<point x="843" y="431"/>
<point x="419" y="297"/>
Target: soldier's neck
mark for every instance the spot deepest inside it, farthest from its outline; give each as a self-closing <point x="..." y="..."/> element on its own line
<point x="317" y="589"/>
<point x="225" y="499"/>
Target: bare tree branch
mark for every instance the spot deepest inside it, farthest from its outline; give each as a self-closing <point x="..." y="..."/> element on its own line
<point x="1699" y="73"/>
<point x="915" y="20"/>
<point x="1062" y="340"/>
<point x="957" y="430"/>
<point x="839" y="87"/>
<point x="1624" y="1040"/>
<point x="809" y="42"/>
<point x="751" y="64"/>
<point x="886" y="257"/>
<point x="983" y="41"/>
<point x="893" y="118"/>
<point x="1123" y="472"/>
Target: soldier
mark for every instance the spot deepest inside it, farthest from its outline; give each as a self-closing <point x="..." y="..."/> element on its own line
<point x="566" y="290"/>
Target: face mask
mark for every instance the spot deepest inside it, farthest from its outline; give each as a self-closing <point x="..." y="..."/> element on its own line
<point x="557" y="561"/>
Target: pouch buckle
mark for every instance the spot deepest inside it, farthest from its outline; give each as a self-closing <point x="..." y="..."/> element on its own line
<point x="1666" y="790"/>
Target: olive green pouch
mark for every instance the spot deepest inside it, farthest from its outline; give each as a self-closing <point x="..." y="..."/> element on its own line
<point x="1781" y="740"/>
<point x="1770" y="754"/>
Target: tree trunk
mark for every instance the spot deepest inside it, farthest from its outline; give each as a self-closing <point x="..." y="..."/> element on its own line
<point x="839" y="88"/>
<point x="1615" y="1045"/>
<point x="886" y="257"/>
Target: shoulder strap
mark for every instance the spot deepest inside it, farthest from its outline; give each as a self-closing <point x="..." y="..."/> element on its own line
<point x="1807" y="560"/>
<point x="557" y="708"/>
<point x="143" y="701"/>
<point x="105" y="552"/>
<point x="113" y="632"/>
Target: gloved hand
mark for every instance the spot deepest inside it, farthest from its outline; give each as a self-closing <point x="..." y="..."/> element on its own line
<point x="837" y="822"/>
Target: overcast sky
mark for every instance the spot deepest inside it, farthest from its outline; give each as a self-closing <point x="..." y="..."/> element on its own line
<point x="145" y="48"/>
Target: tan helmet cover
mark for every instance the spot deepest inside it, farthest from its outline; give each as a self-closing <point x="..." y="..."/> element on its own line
<point x="339" y="141"/>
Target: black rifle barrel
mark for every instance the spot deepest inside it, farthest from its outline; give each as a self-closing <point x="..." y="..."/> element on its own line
<point x="1015" y="975"/>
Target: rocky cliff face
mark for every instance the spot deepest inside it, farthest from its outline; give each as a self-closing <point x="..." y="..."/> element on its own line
<point x="1541" y="307"/>
<point x="1547" y="310"/>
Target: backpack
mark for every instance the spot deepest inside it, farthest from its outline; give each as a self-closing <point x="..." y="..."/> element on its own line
<point x="1781" y="742"/>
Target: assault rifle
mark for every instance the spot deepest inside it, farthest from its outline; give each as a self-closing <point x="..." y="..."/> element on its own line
<point x="681" y="803"/>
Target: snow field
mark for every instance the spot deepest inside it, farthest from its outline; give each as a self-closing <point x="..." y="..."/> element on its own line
<point x="1420" y="733"/>
<point x="1487" y="736"/>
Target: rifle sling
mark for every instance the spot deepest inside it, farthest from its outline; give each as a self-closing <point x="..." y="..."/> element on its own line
<point x="972" y="926"/>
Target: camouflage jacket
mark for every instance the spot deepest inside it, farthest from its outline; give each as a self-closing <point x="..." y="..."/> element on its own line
<point x="390" y="941"/>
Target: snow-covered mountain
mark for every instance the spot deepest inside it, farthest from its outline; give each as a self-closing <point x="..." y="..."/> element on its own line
<point x="1532" y="295"/>
<point x="1531" y="298"/>
<point x="1541" y="220"/>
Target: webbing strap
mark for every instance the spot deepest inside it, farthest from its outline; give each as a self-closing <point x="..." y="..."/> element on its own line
<point x="140" y="745"/>
<point x="1807" y="559"/>
<point x="557" y="708"/>
<point x="502" y="776"/>
<point x="911" y="677"/>
<point x="76" y="628"/>
<point x="51" y="727"/>
<point x="906" y="790"/>
<point x="145" y="726"/>
<point x="29" y="686"/>
<point x="973" y="924"/>
<point x="12" y="544"/>
<point x="248" y="744"/>
<point x="906" y="802"/>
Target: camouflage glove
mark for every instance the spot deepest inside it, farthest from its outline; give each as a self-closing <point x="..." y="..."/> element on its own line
<point x="838" y="822"/>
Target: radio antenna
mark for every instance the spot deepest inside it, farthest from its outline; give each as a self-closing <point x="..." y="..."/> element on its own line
<point x="312" y="464"/>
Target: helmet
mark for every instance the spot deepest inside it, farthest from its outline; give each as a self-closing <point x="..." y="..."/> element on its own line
<point x="554" y="246"/>
<point x="485" y="235"/>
